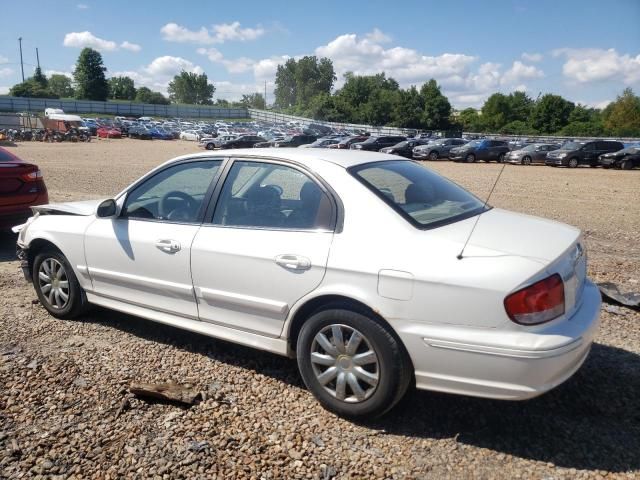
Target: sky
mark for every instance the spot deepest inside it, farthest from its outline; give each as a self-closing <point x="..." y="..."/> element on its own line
<point x="585" y="50"/>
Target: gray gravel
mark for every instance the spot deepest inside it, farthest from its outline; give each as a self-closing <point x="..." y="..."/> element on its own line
<point x="65" y="411"/>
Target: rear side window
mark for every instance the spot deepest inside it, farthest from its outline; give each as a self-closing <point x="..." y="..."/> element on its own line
<point x="5" y="156"/>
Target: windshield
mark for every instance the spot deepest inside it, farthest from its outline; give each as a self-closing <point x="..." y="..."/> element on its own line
<point x="529" y="148"/>
<point x="474" y="143"/>
<point x="572" y="146"/>
<point x="421" y="196"/>
<point x="630" y="150"/>
<point x="401" y="144"/>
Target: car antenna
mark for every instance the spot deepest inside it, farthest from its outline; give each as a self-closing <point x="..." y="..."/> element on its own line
<point x="459" y="256"/>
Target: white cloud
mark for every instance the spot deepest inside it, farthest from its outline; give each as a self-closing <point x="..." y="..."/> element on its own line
<point x="518" y="72"/>
<point x="5" y="72"/>
<point x="133" y="47"/>
<point x="220" y="33"/>
<point x="170" y="66"/>
<point x="4" y="90"/>
<point x="532" y="57"/>
<point x="82" y="6"/>
<point x="593" y="64"/>
<point x="378" y="36"/>
<point x="87" y="39"/>
<point x="48" y="73"/>
<point x="3" y="59"/>
<point x="266" y="68"/>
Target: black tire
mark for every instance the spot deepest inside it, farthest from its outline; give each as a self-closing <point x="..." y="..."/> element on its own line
<point x="526" y="160"/>
<point x="626" y="165"/>
<point x="471" y="158"/>
<point x="76" y="303"/>
<point x="392" y="367"/>
<point x="572" y="163"/>
<point x="209" y="146"/>
<point x="501" y="158"/>
<point x="434" y="155"/>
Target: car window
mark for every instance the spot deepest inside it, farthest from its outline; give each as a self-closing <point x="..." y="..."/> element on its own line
<point x="421" y="196"/>
<point x="174" y="194"/>
<point x="269" y="195"/>
<point x="589" y="147"/>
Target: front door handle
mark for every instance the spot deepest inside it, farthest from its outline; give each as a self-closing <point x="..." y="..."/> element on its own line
<point x="168" y="246"/>
<point x="293" y="262"/>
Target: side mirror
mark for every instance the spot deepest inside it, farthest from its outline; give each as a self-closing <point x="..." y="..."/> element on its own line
<point x="107" y="209"/>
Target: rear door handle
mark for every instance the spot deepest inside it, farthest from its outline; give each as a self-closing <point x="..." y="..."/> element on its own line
<point x="293" y="262"/>
<point x="168" y="246"/>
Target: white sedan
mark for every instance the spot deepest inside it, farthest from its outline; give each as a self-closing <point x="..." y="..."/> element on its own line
<point x="192" y="135"/>
<point x="351" y="262"/>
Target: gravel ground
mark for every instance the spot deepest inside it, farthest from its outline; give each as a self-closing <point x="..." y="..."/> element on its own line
<point x="63" y="383"/>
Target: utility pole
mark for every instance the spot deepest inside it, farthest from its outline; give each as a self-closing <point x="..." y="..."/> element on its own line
<point x="21" y="63"/>
<point x="38" y="58"/>
<point x="265" y="94"/>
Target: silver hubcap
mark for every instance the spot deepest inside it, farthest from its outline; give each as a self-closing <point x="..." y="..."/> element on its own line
<point x="344" y="363"/>
<point x="54" y="283"/>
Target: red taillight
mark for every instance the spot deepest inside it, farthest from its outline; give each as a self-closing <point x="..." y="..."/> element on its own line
<point x="538" y="303"/>
<point x="32" y="176"/>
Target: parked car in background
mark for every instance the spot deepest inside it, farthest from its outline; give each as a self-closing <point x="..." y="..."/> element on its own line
<point x="295" y="141"/>
<point x="321" y="143"/>
<point x="21" y="186"/>
<point x="109" y="132"/>
<point x="160" y="134"/>
<point x="345" y="143"/>
<point x="533" y="153"/>
<point x="485" y="149"/>
<point x="210" y="143"/>
<point x="626" y="159"/>
<point x="244" y="141"/>
<point x="139" y="132"/>
<point x="375" y="144"/>
<point x="342" y="294"/>
<point x="404" y="148"/>
<point x="191" y="135"/>
<point x="435" y="149"/>
<point x="572" y="154"/>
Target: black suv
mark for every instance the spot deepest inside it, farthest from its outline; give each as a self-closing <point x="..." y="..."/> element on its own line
<point x="245" y="141"/>
<point x="475" y="150"/>
<point x="572" y="154"/>
<point x="296" y="141"/>
<point x="375" y="144"/>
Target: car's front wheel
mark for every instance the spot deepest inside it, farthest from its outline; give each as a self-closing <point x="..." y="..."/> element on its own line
<point x="626" y="165"/>
<point x="573" y="163"/>
<point x="526" y="160"/>
<point x="57" y="286"/>
<point x="433" y="155"/>
<point x="470" y="158"/>
<point x="352" y="364"/>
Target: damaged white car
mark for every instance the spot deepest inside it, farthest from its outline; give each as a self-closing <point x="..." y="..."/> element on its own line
<point x="351" y="262"/>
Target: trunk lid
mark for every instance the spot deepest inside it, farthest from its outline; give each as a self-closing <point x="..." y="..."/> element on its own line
<point x="14" y="189"/>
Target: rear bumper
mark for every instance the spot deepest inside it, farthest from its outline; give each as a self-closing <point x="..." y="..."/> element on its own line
<point x="505" y="365"/>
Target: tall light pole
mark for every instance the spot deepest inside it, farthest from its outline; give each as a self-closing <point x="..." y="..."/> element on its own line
<point x="21" y="63"/>
<point x="38" y="58"/>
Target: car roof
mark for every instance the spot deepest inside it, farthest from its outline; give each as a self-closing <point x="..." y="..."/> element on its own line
<point x="342" y="158"/>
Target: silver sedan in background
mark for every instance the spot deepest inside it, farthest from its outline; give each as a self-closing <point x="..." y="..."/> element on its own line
<point x="437" y="148"/>
<point x="534" y="153"/>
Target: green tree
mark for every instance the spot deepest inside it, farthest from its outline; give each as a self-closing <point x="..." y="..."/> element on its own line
<point x="622" y="117"/>
<point x="146" y="95"/>
<point x="31" y="88"/>
<point x="40" y="78"/>
<point x="61" y="85"/>
<point x="520" y="106"/>
<point x="496" y="112"/>
<point x="89" y="76"/>
<point x="470" y="120"/>
<point x="359" y="93"/>
<point x="407" y="112"/>
<point x="122" y="88"/>
<point x="299" y="81"/>
<point x="437" y="108"/>
<point x="517" y="127"/>
<point x="253" y="100"/>
<point x="191" y="88"/>
<point x="551" y="113"/>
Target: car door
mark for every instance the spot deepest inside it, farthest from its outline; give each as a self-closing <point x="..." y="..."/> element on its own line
<point x="142" y="256"/>
<point x="265" y="247"/>
<point x="589" y="154"/>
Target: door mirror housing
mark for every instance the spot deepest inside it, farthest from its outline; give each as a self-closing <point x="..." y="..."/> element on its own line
<point x="107" y="208"/>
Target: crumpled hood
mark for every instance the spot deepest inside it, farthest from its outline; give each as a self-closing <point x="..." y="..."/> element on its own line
<point x="84" y="207"/>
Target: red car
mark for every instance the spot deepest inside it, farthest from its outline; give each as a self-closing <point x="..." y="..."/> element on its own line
<point x="109" y="132"/>
<point x="21" y="185"/>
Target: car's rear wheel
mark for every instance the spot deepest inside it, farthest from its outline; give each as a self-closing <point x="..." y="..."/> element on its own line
<point x="470" y="158"/>
<point x="351" y="363"/>
<point x="526" y="160"/>
<point x="573" y="163"/>
<point x="433" y="155"/>
<point x="57" y="286"/>
<point x="501" y="158"/>
<point x="209" y="146"/>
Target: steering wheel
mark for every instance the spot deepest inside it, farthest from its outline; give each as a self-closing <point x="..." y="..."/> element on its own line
<point x="163" y="212"/>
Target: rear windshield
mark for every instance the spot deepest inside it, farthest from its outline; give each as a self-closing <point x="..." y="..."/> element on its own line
<point x="5" y="156"/>
<point x="421" y="196"/>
